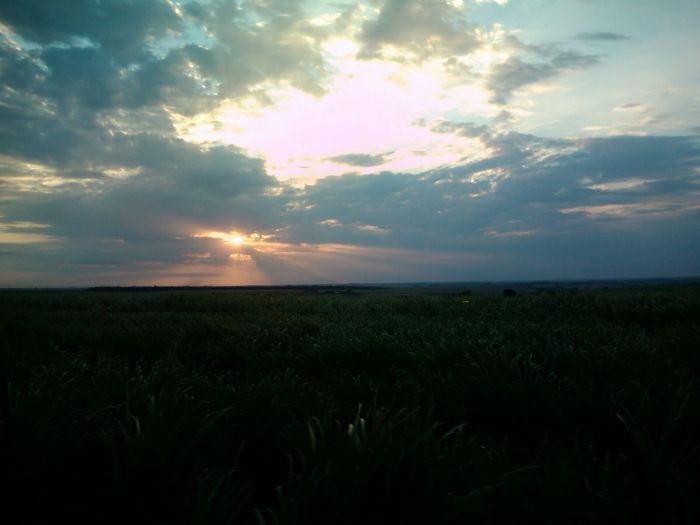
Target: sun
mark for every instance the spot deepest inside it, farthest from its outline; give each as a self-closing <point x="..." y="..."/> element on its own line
<point x="234" y="238"/>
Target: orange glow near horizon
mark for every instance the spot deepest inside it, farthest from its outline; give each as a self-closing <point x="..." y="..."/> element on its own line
<point x="260" y="259"/>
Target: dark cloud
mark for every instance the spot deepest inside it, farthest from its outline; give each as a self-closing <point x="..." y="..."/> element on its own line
<point x="511" y="75"/>
<point x="601" y="35"/>
<point x="360" y="159"/>
<point x="518" y="191"/>
<point x="464" y="129"/>
<point x="123" y="28"/>
<point x="19" y="69"/>
<point x="84" y="76"/>
<point x="171" y="187"/>
<point x="631" y="106"/>
<point x="628" y="156"/>
<point x="551" y="204"/>
<point x="111" y="54"/>
<point x="507" y="147"/>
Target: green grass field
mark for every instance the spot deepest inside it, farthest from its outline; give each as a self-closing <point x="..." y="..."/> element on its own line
<point x="224" y="407"/>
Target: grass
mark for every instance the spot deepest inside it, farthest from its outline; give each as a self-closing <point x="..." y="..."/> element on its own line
<point x="271" y="408"/>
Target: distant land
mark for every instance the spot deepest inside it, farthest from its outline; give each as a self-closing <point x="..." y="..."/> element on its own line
<point x="406" y="287"/>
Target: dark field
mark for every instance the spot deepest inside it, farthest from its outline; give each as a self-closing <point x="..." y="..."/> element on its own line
<point x="231" y="407"/>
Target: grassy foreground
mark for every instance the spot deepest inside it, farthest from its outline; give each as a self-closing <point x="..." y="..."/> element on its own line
<point x="210" y="407"/>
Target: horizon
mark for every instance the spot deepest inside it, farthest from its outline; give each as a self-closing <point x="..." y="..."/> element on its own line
<point x="268" y="142"/>
<point x="644" y="281"/>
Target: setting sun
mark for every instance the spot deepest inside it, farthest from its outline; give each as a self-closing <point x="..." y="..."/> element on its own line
<point x="234" y="238"/>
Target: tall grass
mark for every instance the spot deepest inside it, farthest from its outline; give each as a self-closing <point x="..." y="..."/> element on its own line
<point x="205" y="407"/>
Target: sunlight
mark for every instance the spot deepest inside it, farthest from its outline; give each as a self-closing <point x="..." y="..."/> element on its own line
<point x="233" y="237"/>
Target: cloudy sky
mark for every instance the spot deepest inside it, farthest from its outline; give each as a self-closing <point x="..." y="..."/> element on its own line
<point x="281" y="141"/>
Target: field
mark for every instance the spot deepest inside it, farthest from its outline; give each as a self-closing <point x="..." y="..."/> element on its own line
<point x="259" y="407"/>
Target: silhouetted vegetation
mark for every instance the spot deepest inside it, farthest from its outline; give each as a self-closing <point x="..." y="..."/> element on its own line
<point x="211" y="407"/>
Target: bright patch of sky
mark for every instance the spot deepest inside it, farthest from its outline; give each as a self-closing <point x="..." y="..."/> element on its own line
<point x="369" y="108"/>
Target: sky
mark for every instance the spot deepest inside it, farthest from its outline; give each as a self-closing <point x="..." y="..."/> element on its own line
<point x="231" y="142"/>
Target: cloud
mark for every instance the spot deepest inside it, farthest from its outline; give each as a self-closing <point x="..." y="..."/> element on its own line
<point x="464" y="129"/>
<point x="539" y="201"/>
<point x="109" y="54"/>
<point x="631" y="107"/>
<point x="96" y="185"/>
<point x="123" y="28"/>
<point x="422" y="28"/>
<point x="522" y="189"/>
<point x="262" y="40"/>
<point x="141" y="184"/>
<point x="515" y="73"/>
<point x="23" y="233"/>
<point x="601" y="35"/>
<point x="84" y="76"/>
<point x="19" y="69"/>
<point x="360" y="159"/>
